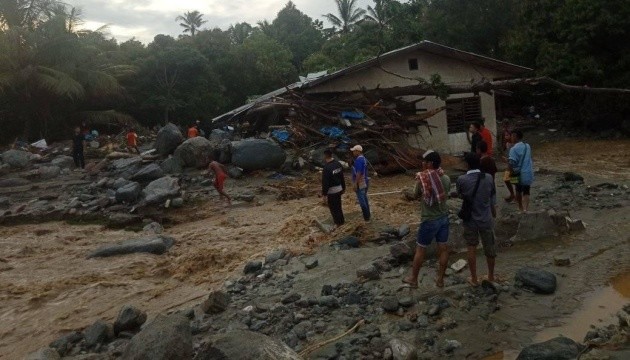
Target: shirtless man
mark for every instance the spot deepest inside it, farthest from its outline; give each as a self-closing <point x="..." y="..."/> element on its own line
<point x="219" y="179"/>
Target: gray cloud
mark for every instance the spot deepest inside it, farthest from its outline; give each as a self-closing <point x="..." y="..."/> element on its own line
<point x="143" y="19"/>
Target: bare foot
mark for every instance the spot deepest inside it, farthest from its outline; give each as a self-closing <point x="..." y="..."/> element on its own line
<point x="439" y="283"/>
<point x="411" y="282"/>
<point x="473" y="282"/>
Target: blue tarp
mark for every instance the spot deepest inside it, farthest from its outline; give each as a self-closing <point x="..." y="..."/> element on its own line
<point x="352" y="115"/>
<point x="334" y="132"/>
<point x="281" y="135"/>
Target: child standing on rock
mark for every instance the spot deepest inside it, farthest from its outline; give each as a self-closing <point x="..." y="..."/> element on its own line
<point x="220" y="175"/>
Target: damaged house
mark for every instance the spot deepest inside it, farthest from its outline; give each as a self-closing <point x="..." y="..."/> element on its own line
<point x="374" y="102"/>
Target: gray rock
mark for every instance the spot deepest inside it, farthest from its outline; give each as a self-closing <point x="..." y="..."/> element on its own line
<point x="128" y="193"/>
<point x="48" y="172"/>
<point x="274" y="255"/>
<point x="63" y="161"/>
<point x="217" y="302"/>
<point x="402" y="350"/>
<point x="451" y="345"/>
<point x="401" y="252"/>
<point x="390" y="304"/>
<point x="559" y="348"/>
<point x="290" y="298"/>
<point x="235" y="172"/>
<point x="153" y="228"/>
<point x="154" y="245"/>
<point x="575" y="225"/>
<point x="172" y="165"/>
<point x="245" y="345"/>
<point x="195" y="152"/>
<point x="121" y="220"/>
<point x="302" y="329"/>
<point x="218" y="135"/>
<point x="98" y="333"/>
<point x="257" y="154"/>
<point x="252" y="267"/>
<point x="65" y="343"/>
<point x="129" y="319"/>
<point x="311" y="263"/>
<point x="44" y="354"/>
<point x="166" y="337"/>
<point x="148" y="173"/>
<point x="161" y="189"/>
<point x="329" y="301"/>
<point x="177" y="202"/>
<point x="349" y="241"/>
<point x="16" y="158"/>
<point x="403" y="230"/>
<point x="129" y="165"/>
<point x="539" y="281"/>
<point x="168" y="138"/>
<point x="561" y="260"/>
<point x="118" y="183"/>
<point x="406" y="301"/>
<point x="368" y="272"/>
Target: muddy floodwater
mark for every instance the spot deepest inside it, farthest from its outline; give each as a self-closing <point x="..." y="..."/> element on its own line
<point x="48" y="287"/>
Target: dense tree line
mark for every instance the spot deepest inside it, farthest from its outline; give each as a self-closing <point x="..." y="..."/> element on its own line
<point x="53" y="76"/>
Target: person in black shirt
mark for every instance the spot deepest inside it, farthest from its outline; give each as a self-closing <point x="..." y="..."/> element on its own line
<point x="475" y="136"/>
<point x="78" y="144"/>
<point x="333" y="186"/>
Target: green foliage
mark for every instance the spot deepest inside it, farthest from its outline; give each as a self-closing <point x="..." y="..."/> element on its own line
<point x="348" y="13"/>
<point x="191" y="21"/>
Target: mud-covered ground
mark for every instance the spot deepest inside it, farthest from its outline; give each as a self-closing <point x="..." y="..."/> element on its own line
<point x="48" y="287"/>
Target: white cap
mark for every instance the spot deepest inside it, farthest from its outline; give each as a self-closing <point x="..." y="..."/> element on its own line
<point x="427" y="153"/>
<point x="358" y="148"/>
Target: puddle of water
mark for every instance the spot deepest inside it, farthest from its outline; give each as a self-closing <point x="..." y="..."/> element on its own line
<point x="598" y="308"/>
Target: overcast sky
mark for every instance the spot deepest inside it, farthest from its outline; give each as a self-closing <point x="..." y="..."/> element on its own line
<point x="143" y="19"/>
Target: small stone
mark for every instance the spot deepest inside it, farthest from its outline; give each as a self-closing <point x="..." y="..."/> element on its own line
<point x="98" y="333"/>
<point x="401" y="252"/>
<point x="402" y="350"/>
<point x="275" y="256"/>
<point x="451" y="345"/>
<point x="349" y="241"/>
<point x="561" y="260"/>
<point x="129" y="319"/>
<point x="177" y="202"/>
<point x="459" y="265"/>
<point x="434" y="310"/>
<point x="326" y="290"/>
<point x="217" y="302"/>
<point x="329" y="301"/>
<point x="537" y="280"/>
<point x="368" y="272"/>
<point x="403" y="230"/>
<point x="406" y="301"/>
<point x="311" y="263"/>
<point x="252" y="267"/>
<point x="390" y="304"/>
<point x="153" y="228"/>
<point x="293" y="297"/>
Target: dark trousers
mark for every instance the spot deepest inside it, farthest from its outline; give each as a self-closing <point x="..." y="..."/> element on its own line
<point x="79" y="159"/>
<point x="334" y="204"/>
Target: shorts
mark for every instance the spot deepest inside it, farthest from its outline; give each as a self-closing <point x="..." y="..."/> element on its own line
<point x="524" y="189"/>
<point x="472" y="235"/>
<point x="431" y="229"/>
<point x="219" y="181"/>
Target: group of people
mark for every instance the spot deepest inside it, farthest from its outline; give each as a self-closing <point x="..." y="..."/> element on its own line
<point x="476" y="188"/>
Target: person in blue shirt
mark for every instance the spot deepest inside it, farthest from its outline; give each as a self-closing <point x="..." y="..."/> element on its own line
<point x="360" y="180"/>
<point x="521" y="169"/>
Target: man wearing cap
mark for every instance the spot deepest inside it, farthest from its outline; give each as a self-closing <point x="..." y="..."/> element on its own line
<point x="433" y="185"/>
<point x="360" y="180"/>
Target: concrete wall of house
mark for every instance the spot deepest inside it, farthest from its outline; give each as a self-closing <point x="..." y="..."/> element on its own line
<point x="451" y="70"/>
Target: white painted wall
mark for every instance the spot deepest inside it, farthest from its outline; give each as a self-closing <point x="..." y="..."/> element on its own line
<point x="451" y="70"/>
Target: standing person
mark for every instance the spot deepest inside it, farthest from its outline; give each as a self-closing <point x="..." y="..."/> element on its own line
<point x="486" y="162"/>
<point x="193" y="131"/>
<point x="78" y="148"/>
<point x="486" y="136"/>
<point x="475" y="136"/>
<point x="433" y="185"/>
<point x="219" y="179"/>
<point x="521" y="169"/>
<point x="507" y="136"/>
<point x="132" y="140"/>
<point x="478" y="189"/>
<point x="360" y="180"/>
<point x="333" y="186"/>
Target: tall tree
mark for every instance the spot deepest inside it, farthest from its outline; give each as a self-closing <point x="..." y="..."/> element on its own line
<point x="191" y="21"/>
<point x="349" y="14"/>
<point x="380" y="13"/>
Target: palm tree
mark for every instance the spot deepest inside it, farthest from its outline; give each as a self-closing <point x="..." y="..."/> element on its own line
<point x="349" y="14"/>
<point x="191" y="21"/>
<point x="379" y="13"/>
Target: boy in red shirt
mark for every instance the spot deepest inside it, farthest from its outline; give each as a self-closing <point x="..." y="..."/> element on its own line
<point x="193" y="131"/>
<point x="486" y="136"/>
<point x="219" y="179"/>
<point x="132" y="141"/>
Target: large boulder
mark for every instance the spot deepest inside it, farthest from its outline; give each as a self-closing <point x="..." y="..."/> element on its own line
<point x="148" y="173"/>
<point x="245" y="345"/>
<point x="98" y="333"/>
<point x="536" y="280"/>
<point x="195" y="152"/>
<point x="168" y="138"/>
<point x="63" y="161"/>
<point x="172" y="165"/>
<point x="16" y="158"/>
<point x="257" y="154"/>
<point x="126" y="167"/>
<point x="129" y="319"/>
<point x="165" y="338"/>
<point x="161" y="189"/>
<point x="559" y="348"/>
<point x="128" y="193"/>
<point x="153" y="245"/>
